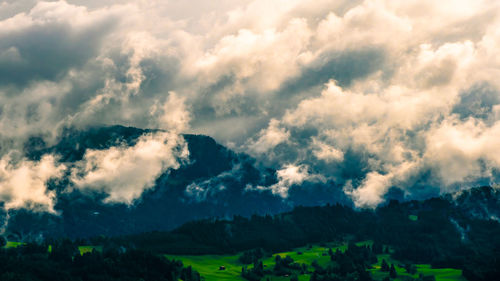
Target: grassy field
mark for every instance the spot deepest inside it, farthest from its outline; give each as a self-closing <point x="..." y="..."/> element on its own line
<point x="82" y="249"/>
<point x="441" y="274"/>
<point x="413" y="217"/>
<point x="89" y="249"/>
<point x="11" y="244"/>
<point x="208" y="265"/>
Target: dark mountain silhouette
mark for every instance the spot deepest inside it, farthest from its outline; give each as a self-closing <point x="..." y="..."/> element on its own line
<point x="166" y="205"/>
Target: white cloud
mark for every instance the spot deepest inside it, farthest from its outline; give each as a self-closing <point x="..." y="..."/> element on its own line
<point x="265" y="59"/>
<point x="371" y="190"/>
<point x="123" y="172"/>
<point x="269" y="138"/>
<point x="174" y="115"/>
<point x="326" y="152"/>
<point x="288" y="176"/>
<point x="23" y="184"/>
<point x="455" y="148"/>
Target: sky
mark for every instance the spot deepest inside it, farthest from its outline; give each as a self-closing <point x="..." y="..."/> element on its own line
<point x="373" y="95"/>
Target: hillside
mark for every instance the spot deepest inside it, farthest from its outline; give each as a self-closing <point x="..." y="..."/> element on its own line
<point x="204" y="206"/>
<point x="212" y="182"/>
<point x="434" y="239"/>
<point x="437" y="231"/>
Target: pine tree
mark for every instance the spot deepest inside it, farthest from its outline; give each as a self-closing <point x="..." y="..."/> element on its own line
<point x="392" y="272"/>
<point x="411" y="268"/>
<point x="384" y="266"/>
<point x="377" y="248"/>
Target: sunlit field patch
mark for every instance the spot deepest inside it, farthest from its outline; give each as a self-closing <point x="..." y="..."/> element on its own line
<point x="209" y="265"/>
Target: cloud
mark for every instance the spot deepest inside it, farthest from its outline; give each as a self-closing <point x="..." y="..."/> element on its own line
<point x="326" y="152"/>
<point x="372" y="94"/>
<point x="288" y="176"/>
<point x="480" y="101"/>
<point x="269" y="138"/>
<point x="174" y="116"/>
<point x="463" y="151"/>
<point x="23" y="183"/>
<point x="371" y="190"/>
<point x="201" y="191"/>
<point x="123" y="172"/>
<point x="66" y="36"/>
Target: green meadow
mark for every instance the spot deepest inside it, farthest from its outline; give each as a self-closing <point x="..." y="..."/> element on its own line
<point x="89" y="249"/>
<point x="413" y="217"/>
<point x="441" y="274"/>
<point x="82" y="249"/>
<point x="208" y="265"/>
<point x="11" y="244"/>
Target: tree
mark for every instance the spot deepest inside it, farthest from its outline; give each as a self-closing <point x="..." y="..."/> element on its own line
<point x="410" y="268"/>
<point x="392" y="272"/>
<point x="303" y="269"/>
<point x="386" y="250"/>
<point x="3" y="241"/>
<point x="377" y="248"/>
<point x="258" y="268"/>
<point x="251" y="256"/>
<point x="384" y="266"/>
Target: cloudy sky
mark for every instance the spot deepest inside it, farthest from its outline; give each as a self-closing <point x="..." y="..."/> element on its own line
<point x="374" y="95"/>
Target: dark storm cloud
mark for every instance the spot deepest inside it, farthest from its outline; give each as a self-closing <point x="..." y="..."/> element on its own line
<point x="47" y="51"/>
<point x="477" y="102"/>
<point x="344" y="67"/>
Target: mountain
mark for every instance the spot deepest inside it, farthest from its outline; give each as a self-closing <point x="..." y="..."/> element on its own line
<point x="482" y="202"/>
<point x="223" y="174"/>
<point x="167" y="204"/>
<point x="457" y="230"/>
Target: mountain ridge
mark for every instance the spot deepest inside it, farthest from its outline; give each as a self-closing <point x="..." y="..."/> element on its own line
<point x="219" y="175"/>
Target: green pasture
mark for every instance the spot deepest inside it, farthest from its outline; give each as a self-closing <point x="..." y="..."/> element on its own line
<point x="11" y="244"/>
<point x="441" y="274"/>
<point x="82" y="249"/>
<point x="208" y="265"/>
<point x="89" y="249"/>
<point x="309" y="254"/>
